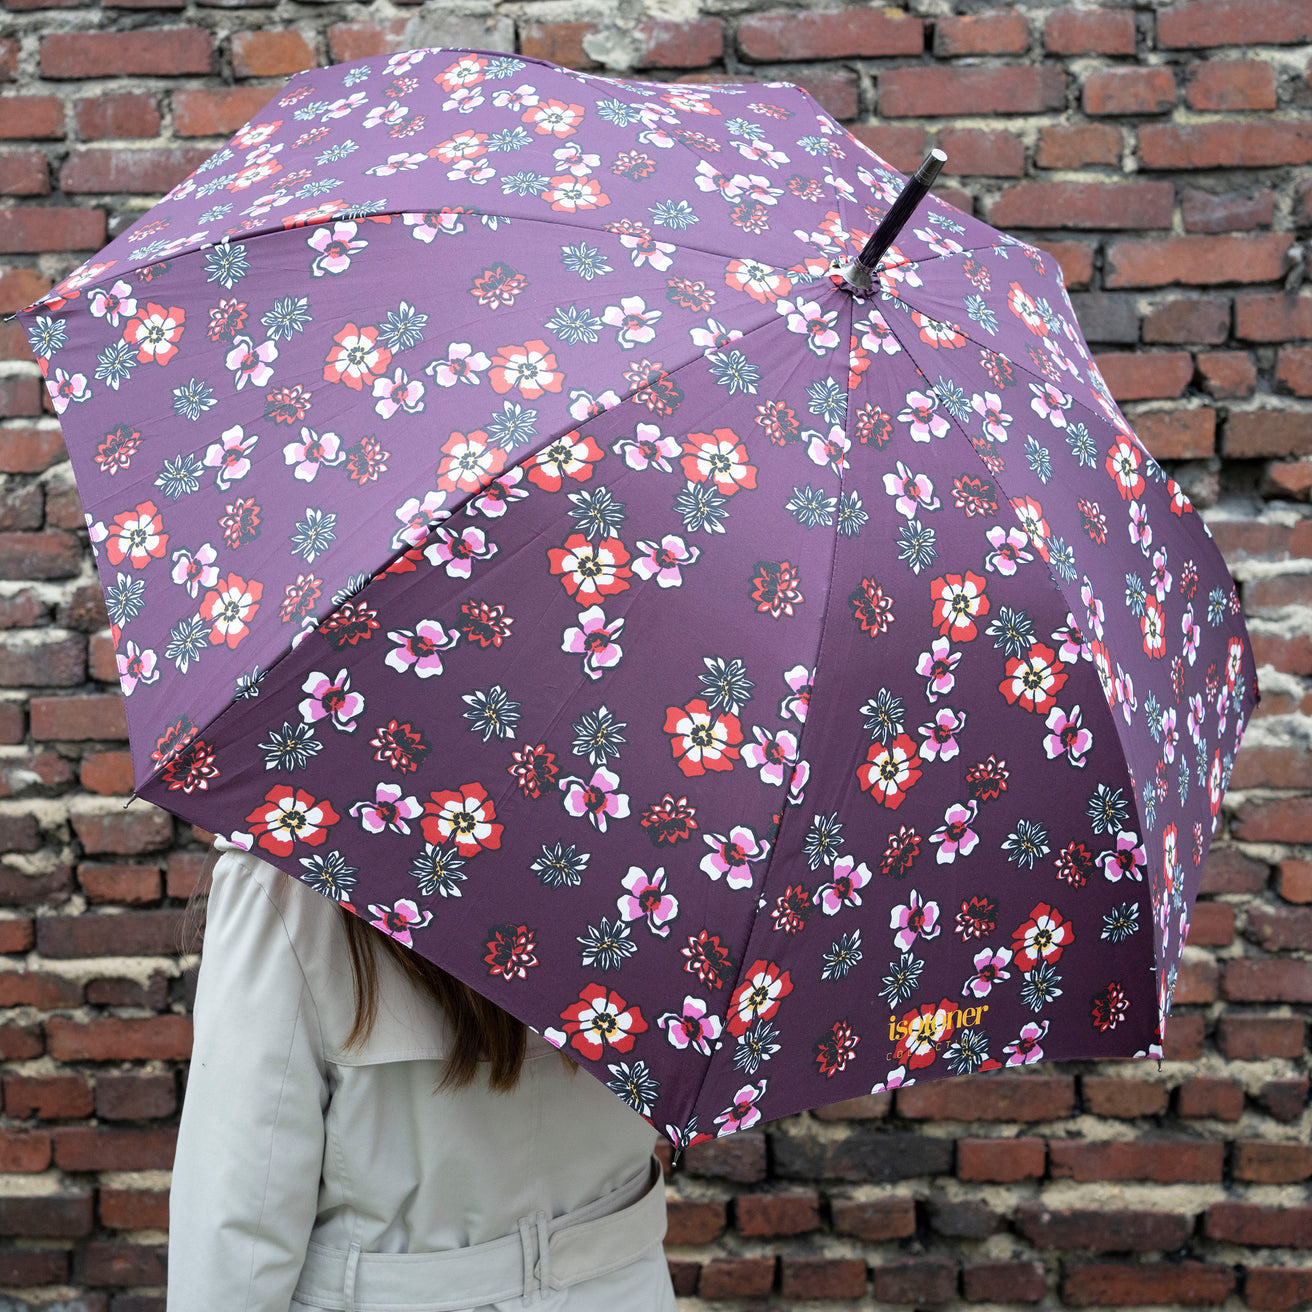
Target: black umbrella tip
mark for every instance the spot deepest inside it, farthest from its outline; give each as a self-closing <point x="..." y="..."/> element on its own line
<point x="930" y="167"/>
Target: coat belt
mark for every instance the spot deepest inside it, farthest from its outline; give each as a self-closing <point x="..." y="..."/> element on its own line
<point x="544" y="1254"/>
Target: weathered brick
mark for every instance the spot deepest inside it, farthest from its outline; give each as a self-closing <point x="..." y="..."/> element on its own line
<point x="149" y="171"/>
<point x="1089" y="32"/>
<point x="1115" y="1284"/>
<point x="1281" y="929"/>
<point x="1249" y="433"/>
<point x="1204" y="261"/>
<point x="122" y="1096"/>
<point x="1267" y="980"/>
<point x="168" y="52"/>
<point x="927" y="92"/>
<point x="1177" y="434"/>
<point x="694" y="1221"/>
<point x="145" y="828"/>
<point x="24" y="888"/>
<point x="736" y="1277"/>
<point x="348" y="42"/>
<point x="40" y="989"/>
<point x="962" y="1218"/>
<point x="777" y="1213"/>
<point x="133" y="885"/>
<point x="1072" y="146"/>
<point x="979" y="152"/>
<point x="1252" y="1223"/>
<point x="876" y="1221"/>
<point x="561" y="43"/>
<point x="1229" y="212"/>
<point x="1129" y="91"/>
<point x="98" y="1148"/>
<point x="1227" y="374"/>
<point x="1211" y="1097"/>
<point x="901" y="144"/>
<point x="1162" y="1161"/>
<point x="1226" y="85"/>
<point x="990" y="32"/>
<point x="1212" y="925"/>
<point x="1284" y="1100"/>
<point x="121" y="1264"/>
<point x="259" y="53"/>
<point x="131" y="934"/>
<point x="1199" y="23"/>
<point x="1189" y="319"/>
<point x="1294" y="370"/>
<point x="55" y="1216"/>
<point x="24" y="1152"/>
<point x="1084" y="205"/>
<point x="1277" y="1288"/>
<point x="211" y="112"/>
<point x="79" y="718"/>
<point x="823" y="1277"/>
<point x="1000" y="1160"/>
<point x="1122" y="1230"/>
<point x="1143" y="375"/>
<point x="1003" y="1282"/>
<point x="1225" y="144"/>
<point x="48" y="1097"/>
<point x="130" y="114"/>
<point x="916" y="1280"/>
<point x="1123" y="1099"/>
<point x="1270" y="1162"/>
<point x="690" y="44"/>
<point x="1272" y="316"/>
<point x="845" y="33"/>
<point x="1075" y="258"/>
<point x="1296" y="881"/>
<point x="860" y="1156"/>
<point x="1231" y="870"/>
<point x="33" y="1266"/>
<point x="31" y="118"/>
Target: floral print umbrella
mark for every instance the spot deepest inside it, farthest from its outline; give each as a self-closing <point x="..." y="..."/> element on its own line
<point x="514" y="526"/>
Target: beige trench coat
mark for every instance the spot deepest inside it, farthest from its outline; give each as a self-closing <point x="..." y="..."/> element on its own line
<point x="294" y="1154"/>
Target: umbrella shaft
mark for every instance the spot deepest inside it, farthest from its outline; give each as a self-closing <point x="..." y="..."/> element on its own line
<point x="910" y="196"/>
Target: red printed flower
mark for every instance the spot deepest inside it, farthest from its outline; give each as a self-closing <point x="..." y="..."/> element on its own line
<point x="356" y="358"/>
<point x="1034" y="680"/>
<point x="534" y="769"/>
<point x="1043" y="937"/>
<point x="601" y="1017"/>
<point x="958" y="602"/>
<point x="290" y="815"/>
<point x="701" y="740"/>
<point x="719" y="458"/>
<point x="763" y="987"/>
<point x="468" y="462"/>
<point x="466" y="818"/>
<point x="570" y="455"/>
<point x="155" y="333"/>
<point x="889" y="771"/>
<point x="137" y="536"/>
<point x="836" y="1049"/>
<point x="229" y="609"/>
<point x="510" y="951"/>
<point x="591" y="570"/>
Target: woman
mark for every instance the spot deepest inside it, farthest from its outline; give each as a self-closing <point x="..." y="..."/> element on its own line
<point x="360" y="1130"/>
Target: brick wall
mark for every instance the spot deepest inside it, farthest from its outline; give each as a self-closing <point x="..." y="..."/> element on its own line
<point x="1161" y="155"/>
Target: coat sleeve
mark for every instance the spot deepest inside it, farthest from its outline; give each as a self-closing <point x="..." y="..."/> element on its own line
<point x="251" y="1139"/>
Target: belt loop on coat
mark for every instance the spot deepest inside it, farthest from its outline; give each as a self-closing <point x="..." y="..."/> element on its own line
<point x="525" y="1246"/>
<point x="348" y="1283"/>
<point x="544" y="1250"/>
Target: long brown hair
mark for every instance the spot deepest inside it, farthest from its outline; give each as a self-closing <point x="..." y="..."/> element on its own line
<point x="480" y="1029"/>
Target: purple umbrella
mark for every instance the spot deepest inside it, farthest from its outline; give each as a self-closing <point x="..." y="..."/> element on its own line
<point x="775" y="673"/>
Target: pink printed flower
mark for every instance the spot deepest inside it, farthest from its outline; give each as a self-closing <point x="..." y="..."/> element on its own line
<point x="693" y="1027"/>
<point x="399" y="920"/>
<point x="331" y="700"/>
<point x="649" y="449"/>
<point x="920" y="413"/>
<point x="388" y="810"/>
<point x="594" y="638"/>
<point x="993" y="420"/>
<point x="313" y="452"/>
<point x="914" y="492"/>
<point x="195" y="570"/>
<point x="136" y="666"/>
<point x="463" y="364"/>
<point x="400" y="392"/>
<point x="731" y="855"/>
<point x="744" y="1112"/>
<point x="65" y="388"/>
<point x="456" y="552"/>
<point x="1050" y="403"/>
<point x="940" y="735"/>
<point x="937" y="665"/>
<point x="421" y="649"/>
<point x="665" y="560"/>
<point x="773" y="753"/>
<point x="230" y="455"/>
<point x="599" y="1018"/>
<point x="1008" y="550"/>
<point x="290" y="815"/>
<point x="250" y="363"/>
<point x="1067" y="735"/>
<point x="648" y="899"/>
<point x="807" y="319"/>
<point x="335" y="243"/>
<point x="1126" y="860"/>
<point x="113" y="304"/>
<point x="599" y="799"/>
<point x="914" y="919"/>
<point x="1025" y="1049"/>
<point x="843" y="889"/>
<point x="955" y="835"/>
<point x="989" y="970"/>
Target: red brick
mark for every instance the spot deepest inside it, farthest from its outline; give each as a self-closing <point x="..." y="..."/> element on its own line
<point x="1211" y="1098"/>
<point x="21" y="610"/>
<point x="1196" y="985"/>
<point x="1296" y="881"/>
<point x="122" y="1096"/>
<point x="16" y="934"/>
<point x="1142" y="375"/>
<point x="1119" y="1230"/>
<point x="40" y="989"/>
<point x="1268" y="433"/>
<point x="122" y="1264"/>
<point x="1115" y="1284"/>
<point x="1178" y="434"/>
<point x="991" y="32"/>
<point x="876" y="1221"/>
<point x="683" y="1275"/>
<point x="216" y="112"/>
<point x="1294" y="370"/>
<point x="929" y="91"/>
<point x="79" y="718"/>
<point x="1242" y="1036"/>
<point x="846" y="33"/>
<point x="8" y="59"/>
<point x="12" y="730"/>
<point x="916" y="1280"/>
<point x="113" y="169"/>
<point x="1084" y="205"/>
<point x="31" y="118"/>
<point x="30" y="450"/>
<point x="131" y="114"/>
<point x="123" y="833"/>
<point x="1123" y="1099"/>
<point x="48" y="1097"/>
<point x="33" y="1266"/>
<point x="823" y="1277"/>
<point x="21" y="396"/>
<point x="694" y="1221"/>
<point x="740" y="1158"/>
<point x="778" y="1213"/>
<point x="868" y="1107"/>
<point x="18" y="289"/>
<point x="977" y="152"/>
<point x="271" y="54"/>
<point x="161" y="1038"/>
<point x="133" y="885"/>
<point x="51" y="555"/>
<point x="1230" y="212"/>
<point x="171" y="52"/>
<point x="35" y="229"/>
<point x="348" y="42"/>
<point x="1224" y="145"/>
<point x="999" y="1097"/>
<point x="24" y="1152"/>
<point x="1280" y="767"/>
<point x="1226" y="85"/>
<point x="19" y="888"/>
<point x="1293" y="654"/>
<point x="1271" y="1162"/>
<point x="901" y="144"/>
<point x="1205" y="261"/>
<point x="1002" y="1161"/>
<point x="1272" y="316"/>
<point x="109" y="991"/>
<point x="1075" y="258"/>
<point x="54" y="1216"/>
<point x="561" y="43"/>
<point x="690" y="44"/>
<point x="1267" y="980"/>
<point x="107" y="773"/>
<point x="1192" y="319"/>
<point x="1212" y="925"/>
<point x="1227" y="373"/>
<point x="1089" y="32"/>
<point x="58" y="663"/>
<point x="97" y="1148"/>
<point x="1284" y="1100"/>
<point x="1161" y="1161"/>
<point x="1281" y="929"/>
<point x="134" y="1209"/>
<point x="1003" y="1282"/>
<point x="1277" y="1288"/>
<point x="1234" y="23"/>
<point x="1071" y="146"/>
<point x="736" y="1277"/>
<point x="1251" y="1223"/>
<point x="101" y="661"/>
<point x="18" y="1042"/>
<point x="21" y="507"/>
<point x="1129" y="91"/>
<point x="1228" y="870"/>
<point x="834" y="87"/>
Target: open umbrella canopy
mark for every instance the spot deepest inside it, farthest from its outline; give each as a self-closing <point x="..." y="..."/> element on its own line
<point x="516" y="525"/>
